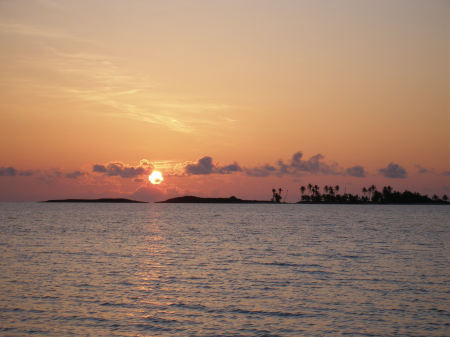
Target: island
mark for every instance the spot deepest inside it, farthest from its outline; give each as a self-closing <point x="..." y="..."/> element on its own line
<point x="190" y="199"/>
<point x="330" y="195"/>
<point x="101" y="200"/>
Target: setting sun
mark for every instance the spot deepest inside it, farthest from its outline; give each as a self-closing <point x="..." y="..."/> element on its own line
<point x="156" y="177"/>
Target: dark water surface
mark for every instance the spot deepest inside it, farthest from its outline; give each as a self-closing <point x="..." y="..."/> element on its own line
<point x="224" y="270"/>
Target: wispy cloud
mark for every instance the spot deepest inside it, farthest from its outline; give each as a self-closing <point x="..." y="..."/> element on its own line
<point x="86" y="75"/>
<point x="17" y="28"/>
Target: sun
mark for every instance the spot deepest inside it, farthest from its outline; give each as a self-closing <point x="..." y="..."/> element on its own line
<point x="156" y="177"/>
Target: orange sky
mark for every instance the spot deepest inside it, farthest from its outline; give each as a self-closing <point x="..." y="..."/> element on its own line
<point x="253" y="82"/>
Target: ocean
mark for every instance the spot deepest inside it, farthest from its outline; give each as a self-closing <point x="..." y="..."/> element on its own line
<point x="224" y="270"/>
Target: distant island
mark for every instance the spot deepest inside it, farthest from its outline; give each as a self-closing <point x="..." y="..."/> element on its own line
<point x="311" y="195"/>
<point x="189" y="199"/>
<point x="103" y="200"/>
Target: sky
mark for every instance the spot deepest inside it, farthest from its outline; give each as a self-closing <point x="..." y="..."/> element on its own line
<point x="223" y="97"/>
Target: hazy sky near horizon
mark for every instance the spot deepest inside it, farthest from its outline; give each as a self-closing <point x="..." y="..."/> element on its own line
<point x="366" y="84"/>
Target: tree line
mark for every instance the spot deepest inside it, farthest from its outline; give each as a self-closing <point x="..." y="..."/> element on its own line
<point x="330" y="194"/>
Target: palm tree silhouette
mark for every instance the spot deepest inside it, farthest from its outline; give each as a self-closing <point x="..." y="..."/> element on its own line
<point x="302" y="190"/>
<point x="330" y="190"/>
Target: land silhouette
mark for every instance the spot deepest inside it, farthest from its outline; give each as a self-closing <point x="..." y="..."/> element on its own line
<point x="310" y="194"/>
<point x="370" y="195"/>
<point x="102" y="200"/>
<point x="190" y="199"/>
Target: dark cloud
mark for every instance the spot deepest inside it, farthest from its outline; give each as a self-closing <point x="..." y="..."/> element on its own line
<point x="445" y="173"/>
<point x="422" y="170"/>
<point x="122" y="170"/>
<point x="261" y="171"/>
<point x="205" y="165"/>
<point x="99" y="168"/>
<point x="296" y="166"/>
<point x="393" y="171"/>
<point x="314" y="164"/>
<point x="8" y="171"/>
<point x="11" y="172"/>
<point x="74" y="174"/>
<point x="356" y="171"/>
<point x="229" y="168"/>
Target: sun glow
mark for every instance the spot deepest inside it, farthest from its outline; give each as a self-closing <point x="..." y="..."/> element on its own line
<point x="156" y="177"/>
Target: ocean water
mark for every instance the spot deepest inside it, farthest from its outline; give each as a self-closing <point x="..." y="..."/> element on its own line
<point x="224" y="270"/>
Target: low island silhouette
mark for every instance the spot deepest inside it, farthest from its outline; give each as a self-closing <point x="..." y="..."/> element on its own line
<point x="102" y="200"/>
<point x="311" y="194"/>
<point x="190" y="199"/>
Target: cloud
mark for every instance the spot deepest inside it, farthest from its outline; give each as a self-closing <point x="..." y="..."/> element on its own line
<point x="205" y="165"/>
<point x="99" y="168"/>
<point x="122" y="170"/>
<point x="313" y="165"/>
<point x="229" y="168"/>
<point x="445" y="173"/>
<point x="17" y="28"/>
<point x="11" y="172"/>
<point x="74" y="174"/>
<point x="295" y="166"/>
<point x="26" y="173"/>
<point x="393" y="171"/>
<point x="423" y="170"/>
<point x="261" y="171"/>
<point x="356" y="171"/>
<point x="7" y="171"/>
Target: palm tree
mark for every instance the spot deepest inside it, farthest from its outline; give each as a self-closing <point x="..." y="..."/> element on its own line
<point x="325" y="188"/>
<point x="336" y="188"/>
<point x="364" y="190"/>
<point x="302" y="191"/>
<point x="372" y="190"/>
<point x="310" y="188"/>
<point x="330" y="190"/>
